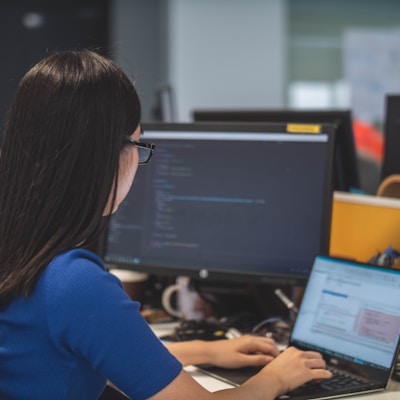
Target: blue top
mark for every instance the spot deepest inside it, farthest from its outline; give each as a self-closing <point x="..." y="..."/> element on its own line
<point x="76" y="330"/>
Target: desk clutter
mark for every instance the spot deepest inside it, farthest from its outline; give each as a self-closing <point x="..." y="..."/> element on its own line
<point x="194" y="329"/>
<point x="274" y="328"/>
<point x="388" y="258"/>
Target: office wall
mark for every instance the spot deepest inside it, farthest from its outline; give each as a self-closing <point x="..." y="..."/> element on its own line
<point x="227" y="53"/>
<point x="139" y="45"/>
<point x="214" y="53"/>
<point x="319" y="54"/>
<point x="316" y="31"/>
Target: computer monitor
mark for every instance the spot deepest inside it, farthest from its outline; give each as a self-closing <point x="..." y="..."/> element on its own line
<point x="391" y="152"/>
<point x="346" y="169"/>
<point x="227" y="203"/>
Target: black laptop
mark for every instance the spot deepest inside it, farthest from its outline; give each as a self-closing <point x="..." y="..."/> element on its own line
<point x="350" y="313"/>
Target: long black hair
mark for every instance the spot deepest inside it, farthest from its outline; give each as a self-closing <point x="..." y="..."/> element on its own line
<point x="59" y="161"/>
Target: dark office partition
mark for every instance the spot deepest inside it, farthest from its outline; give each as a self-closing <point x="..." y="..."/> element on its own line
<point x="391" y="157"/>
<point x="30" y="29"/>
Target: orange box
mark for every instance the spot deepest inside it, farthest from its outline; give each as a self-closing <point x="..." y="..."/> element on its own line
<point x="363" y="225"/>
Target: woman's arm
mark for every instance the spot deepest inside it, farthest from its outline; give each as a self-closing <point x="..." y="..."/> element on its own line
<point x="233" y="353"/>
<point x="289" y="370"/>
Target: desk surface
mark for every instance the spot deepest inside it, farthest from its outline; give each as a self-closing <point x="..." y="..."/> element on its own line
<point x="213" y="384"/>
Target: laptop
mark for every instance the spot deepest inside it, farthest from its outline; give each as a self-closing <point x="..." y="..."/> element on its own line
<point x="350" y="312"/>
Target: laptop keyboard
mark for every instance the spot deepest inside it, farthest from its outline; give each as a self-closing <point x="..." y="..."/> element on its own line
<point x="338" y="381"/>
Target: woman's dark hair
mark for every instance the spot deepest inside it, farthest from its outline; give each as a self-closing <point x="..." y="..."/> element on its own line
<point x="59" y="161"/>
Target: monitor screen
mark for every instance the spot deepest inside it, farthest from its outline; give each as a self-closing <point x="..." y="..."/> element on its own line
<point x="346" y="169"/>
<point x="227" y="202"/>
<point x="391" y="154"/>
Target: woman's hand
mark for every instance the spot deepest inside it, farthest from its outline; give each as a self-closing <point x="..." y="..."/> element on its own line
<point x="291" y="369"/>
<point x="244" y="351"/>
<point x="232" y="353"/>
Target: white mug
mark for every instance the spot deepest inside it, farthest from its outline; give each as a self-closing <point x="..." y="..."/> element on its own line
<point x="186" y="300"/>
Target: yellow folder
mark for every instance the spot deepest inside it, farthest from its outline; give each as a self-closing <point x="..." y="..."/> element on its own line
<point x="364" y="225"/>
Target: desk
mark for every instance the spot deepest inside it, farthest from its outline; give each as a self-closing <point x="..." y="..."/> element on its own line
<point x="213" y="384"/>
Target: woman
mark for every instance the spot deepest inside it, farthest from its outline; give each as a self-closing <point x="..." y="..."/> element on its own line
<point x="70" y="153"/>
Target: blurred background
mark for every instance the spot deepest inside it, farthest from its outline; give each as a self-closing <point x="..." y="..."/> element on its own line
<point x="204" y="54"/>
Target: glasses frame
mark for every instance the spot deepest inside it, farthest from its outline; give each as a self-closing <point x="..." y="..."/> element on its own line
<point x="149" y="147"/>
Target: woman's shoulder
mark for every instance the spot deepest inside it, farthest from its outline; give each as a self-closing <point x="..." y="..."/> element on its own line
<point x="77" y="257"/>
<point x="75" y="264"/>
<point x="79" y="274"/>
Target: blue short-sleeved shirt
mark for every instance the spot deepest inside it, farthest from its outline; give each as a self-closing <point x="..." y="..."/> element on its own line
<point x="78" y="329"/>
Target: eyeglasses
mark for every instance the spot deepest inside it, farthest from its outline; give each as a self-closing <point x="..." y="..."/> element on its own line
<point x="145" y="150"/>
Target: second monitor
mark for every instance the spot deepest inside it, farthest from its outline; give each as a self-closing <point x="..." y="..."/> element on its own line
<point x="346" y="169"/>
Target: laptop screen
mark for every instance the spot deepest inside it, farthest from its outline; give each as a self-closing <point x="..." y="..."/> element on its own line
<point x="350" y="311"/>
